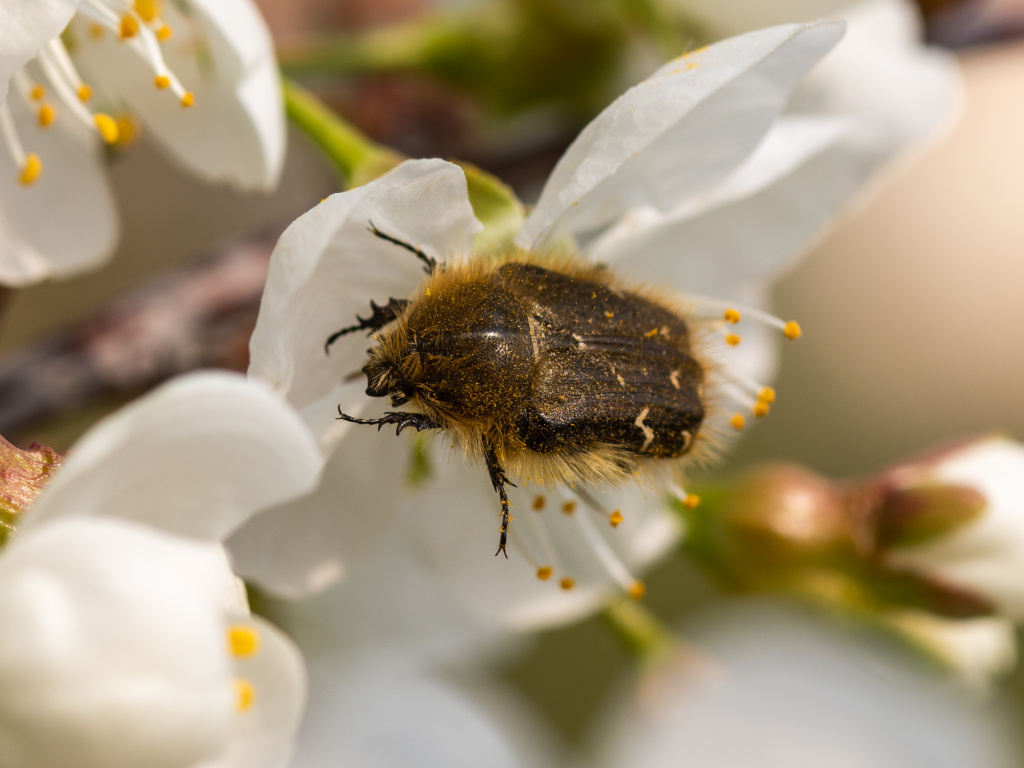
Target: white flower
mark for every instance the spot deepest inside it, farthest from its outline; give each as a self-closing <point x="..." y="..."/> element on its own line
<point x="690" y="137"/>
<point x="984" y="555"/>
<point x="784" y="693"/>
<point x="65" y="96"/>
<point x="125" y="639"/>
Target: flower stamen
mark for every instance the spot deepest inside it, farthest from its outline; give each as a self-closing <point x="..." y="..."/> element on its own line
<point x="243" y="640"/>
<point x="601" y="549"/>
<point x="245" y="694"/>
<point x="28" y="162"/>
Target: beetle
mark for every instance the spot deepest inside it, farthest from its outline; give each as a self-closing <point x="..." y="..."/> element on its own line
<point x="538" y="364"/>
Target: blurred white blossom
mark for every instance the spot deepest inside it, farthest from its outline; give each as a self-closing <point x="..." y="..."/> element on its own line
<point x="125" y="639"/>
<point x="200" y="75"/>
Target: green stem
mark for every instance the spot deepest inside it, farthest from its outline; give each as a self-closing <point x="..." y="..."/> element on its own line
<point x="640" y="630"/>
<point x="356" y="158"/>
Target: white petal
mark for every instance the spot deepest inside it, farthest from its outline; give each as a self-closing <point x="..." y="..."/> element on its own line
<point x="799" y="696"/>
<point x="454" y="523"/>
<point x="66" y="221"/>
<point x="742" y="230"/>
<point x="197" y="456"/>
<point x="327" y="267"/>
<point x="263" y="735"/>
<point x="978" y="650"/>
<point x="371" y="715"/>
<point x="224" y="56"/>
<point x="680" y="131"/>
<point x="111" y="648"/>
<point x="306" y="545"/>
<point x="986" y="556"/>
<point x="26" y="27"/>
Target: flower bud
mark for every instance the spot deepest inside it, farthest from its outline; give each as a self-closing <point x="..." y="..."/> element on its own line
<point x="957" y="518"/>
<point x="22" y="475"/>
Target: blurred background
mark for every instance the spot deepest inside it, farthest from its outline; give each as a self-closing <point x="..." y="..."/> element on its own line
<point x="911" y="304"/>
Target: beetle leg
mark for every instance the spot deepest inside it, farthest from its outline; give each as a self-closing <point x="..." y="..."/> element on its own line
<point x="381" y="316"/>
<point x="499" y="481"/>
<point x="429" y="261"/>
<point x="401" y="419"/>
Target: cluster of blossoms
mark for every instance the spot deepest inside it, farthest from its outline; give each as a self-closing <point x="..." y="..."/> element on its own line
<point x="78" y="75"/>
<point x="121" y="612"/>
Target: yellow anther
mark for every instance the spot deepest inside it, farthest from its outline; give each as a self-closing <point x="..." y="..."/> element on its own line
<point x="692" y="501"/>
<point x="245" y="695"/>
<point x="31" y="169"/>
<point x="792" y="330"/>
<point x="244" y="640"/>
<point x="651" y="333"/>
<point x="37" y="92"/>
<point x="761" y="409"/>
<point x="732" y="316"/>
<point x="162" y="81"/>
<point x="615" y="518"/>
<point x="127" y="130"/>
<point x="148" y="10"/>
<point x="96" y="31"/>
<point x="47" y="114"/>
<point x="107" y="126"/>
<point x="569" y="507"/>
<point x="732" y="339"/>
<point x="538" y="503"/>
<point x="637" y="590"/>
<point x="737" y="421"/>
<point x="544" y="573"/>
<point x="567" y="583"/>
<point x="84" y="92"/>
<point x="164" y="33"/>
<point x="188" y="99"/>
<point x="129" y="27"/>
<point x="766" y="395"/>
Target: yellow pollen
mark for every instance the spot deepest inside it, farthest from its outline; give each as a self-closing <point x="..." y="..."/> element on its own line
<point x="127" y="130"/>
<point x="766" y="395"/>
<point x="245" y="695"/>
<point x="428" y="291"/>
<point x="609" y="315"/>
<point x="31" y="169"/>
<point x="107" y="126"/>
<point x="637" y="590"/>
<point x="651" y="333"/>
<point x="148" y="10"/>
<point x="615" y="518"/>
<point x="162" y="81"/>
<point x="129" y="27"/>
<point x="732" y="316"/>
<point x="544" y="573"/>
<point x="84" y="92"/>
<point x="538" y="503"/>
<point x="737" y="421"/>
<point x="164" y="33"/>
<point x="188" y="99"/>
<point x="244" y="640"/>
<point x="96" y="31"/>
<point x="761" y="409"/>
<point x="569" y="507"/>
<point x="37" y="92"/>
<point x="567" y="583"/>
<point x="47" y="114"/>
<point x="792" y="330"/>
<point x="732" y="339"/>
<point x="692" y="501"/>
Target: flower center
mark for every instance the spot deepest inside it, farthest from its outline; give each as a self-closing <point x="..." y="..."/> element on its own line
<point x="139" y="26"/>
<point x="243" y="643"/>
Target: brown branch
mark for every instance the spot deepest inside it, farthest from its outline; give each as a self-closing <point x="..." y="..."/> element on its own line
<point x="199" y="316"/>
